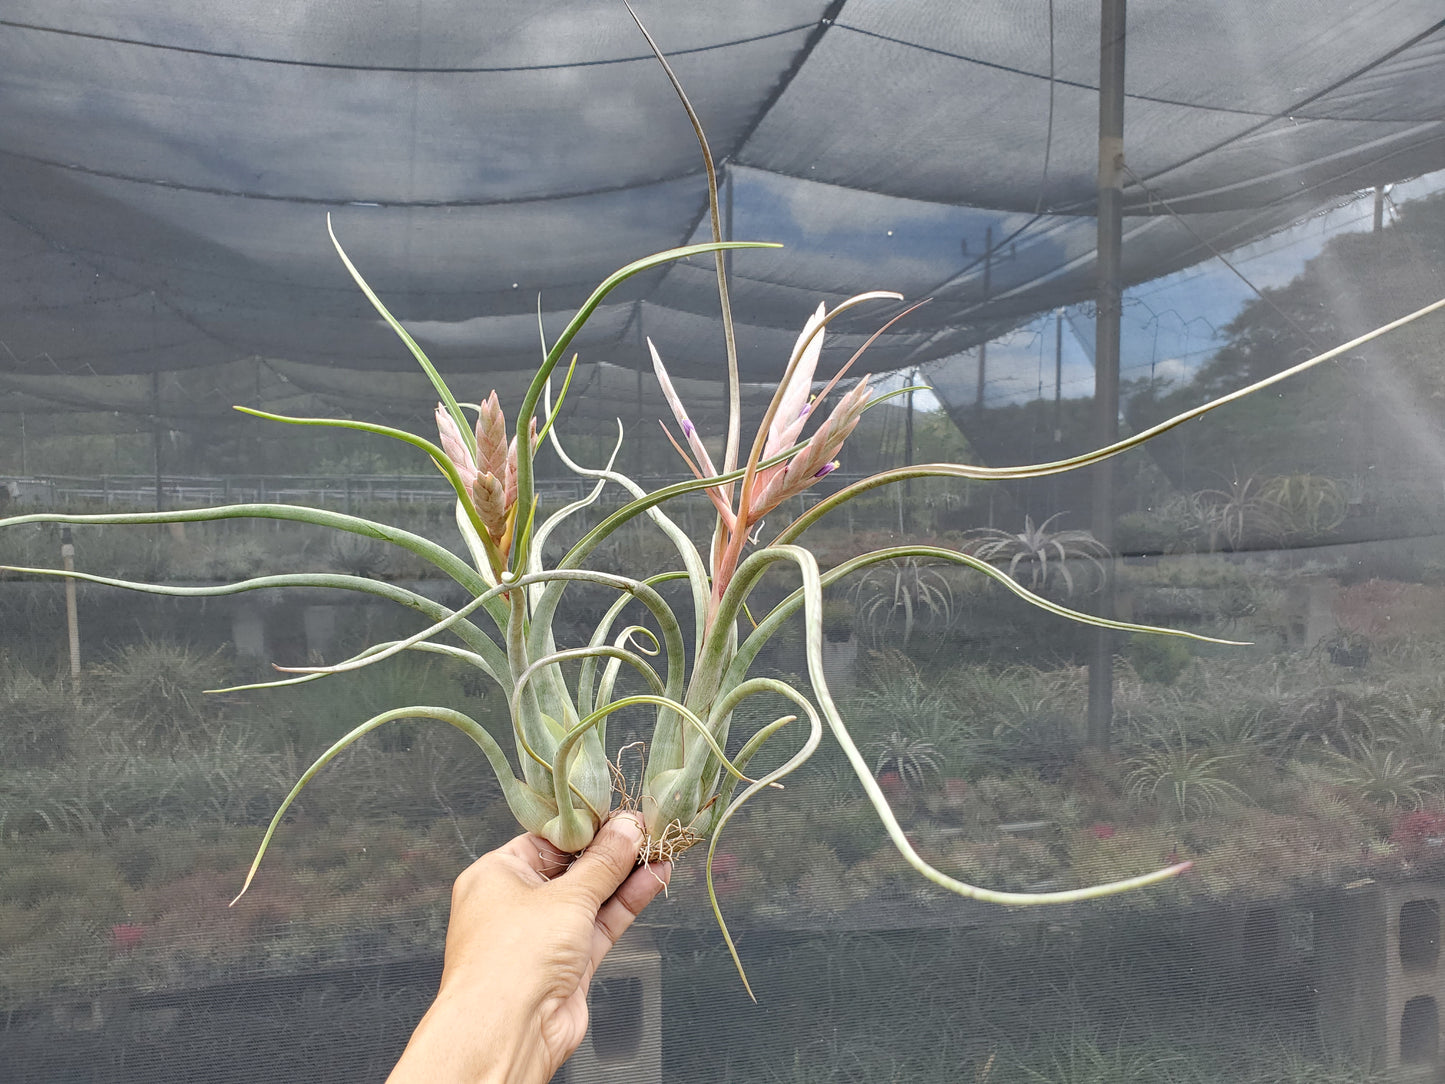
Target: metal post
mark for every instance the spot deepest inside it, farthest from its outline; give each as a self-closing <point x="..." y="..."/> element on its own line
<point x="1379" y="223"/>
<point x="156" y="440"/>
<point x="1057" y="453"/>
<point x="1059" y="377"/>
<point x="727" y="230"/>
<point x="908" y="437"/>
<point x="983" y="346"/>
<point x="72" y="618"/>
<point x="1106" y="343"/>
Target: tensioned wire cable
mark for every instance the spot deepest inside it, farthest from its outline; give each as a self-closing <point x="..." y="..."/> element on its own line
<point x="407" y="70"/>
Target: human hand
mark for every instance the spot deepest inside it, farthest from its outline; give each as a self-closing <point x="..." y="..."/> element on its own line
<point x="527" y="932"/>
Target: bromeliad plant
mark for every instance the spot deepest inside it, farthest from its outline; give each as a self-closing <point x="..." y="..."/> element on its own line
<point x="906" y="592"/>
<point x="560" y="698"/>
<point x="1035" y="546"/>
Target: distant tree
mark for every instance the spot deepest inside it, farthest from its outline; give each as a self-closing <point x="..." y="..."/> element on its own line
<point x="1374" y="418"/>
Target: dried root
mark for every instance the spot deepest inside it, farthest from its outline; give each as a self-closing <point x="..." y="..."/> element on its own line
<point x="675" y="838"/>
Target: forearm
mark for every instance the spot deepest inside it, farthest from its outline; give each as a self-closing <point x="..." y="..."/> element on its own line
<point x="529" y="926"/>
<point x="460" y="1042"/>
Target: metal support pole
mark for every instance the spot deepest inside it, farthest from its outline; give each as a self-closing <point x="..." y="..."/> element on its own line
<point x="72" y="618"/>
<point x="908" y="437"/>
<point x="983" y="346"/>
<point x="727" y="230"/>
<point x="1059" y="377"/>
<point x="637" y="425"/>
<point x="1106" y="347"/>
<point x="1057" y="453"/>
<point x="156" y="439"/>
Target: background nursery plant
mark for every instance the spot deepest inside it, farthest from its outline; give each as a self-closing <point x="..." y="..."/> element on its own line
<point x="695" y="671"/>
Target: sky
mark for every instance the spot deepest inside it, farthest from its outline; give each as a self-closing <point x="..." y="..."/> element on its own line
<point x="1171" y="325"/>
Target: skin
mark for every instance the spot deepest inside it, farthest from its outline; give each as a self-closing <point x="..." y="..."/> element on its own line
<point x="529" y="927"/>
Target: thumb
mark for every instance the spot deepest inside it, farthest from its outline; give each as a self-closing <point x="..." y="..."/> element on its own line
<point x="608" y="860"/>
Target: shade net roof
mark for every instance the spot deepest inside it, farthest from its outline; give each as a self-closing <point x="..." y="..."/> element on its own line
<point x="165" y="178"/>
<point x="166" y="169"/>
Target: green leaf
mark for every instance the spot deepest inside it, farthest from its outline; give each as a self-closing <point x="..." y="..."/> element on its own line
<point x="440" y="557"/>
<point x="575" y="325"/>
<point x="1059" y="466"/>
<point x="445" y="393"/>
<point x="530" y="808"/>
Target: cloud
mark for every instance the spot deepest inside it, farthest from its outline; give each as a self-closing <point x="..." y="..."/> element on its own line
<point x="1173" y="370"/>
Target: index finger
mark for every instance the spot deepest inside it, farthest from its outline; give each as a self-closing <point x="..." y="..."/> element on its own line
<point x="538" y="855"/>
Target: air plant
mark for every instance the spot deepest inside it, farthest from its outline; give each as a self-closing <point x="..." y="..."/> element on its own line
<point x="560" y="698"/>
<point x="1225" y="516"/>
<point x="1383" y="772"/>
<point x="900" y="694"/>
<point x="900" y="594"/>
<point x="1184" y="778"/>
<point x="1035" y="547"/>
<point x="912" y="759"/>
<point x="1302" y="507"/>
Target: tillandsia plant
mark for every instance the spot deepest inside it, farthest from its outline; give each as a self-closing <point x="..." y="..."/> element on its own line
<point x="561" y="697"/>
<point x="1035" y="546"/>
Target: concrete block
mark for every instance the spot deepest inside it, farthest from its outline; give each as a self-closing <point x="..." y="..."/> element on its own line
<point x="1381" y="977"/>
<point x="840" y="663"/>
<point x="624" y="1036"/>
<point x="319" y="623"/>
<point x="1311" y="616"/>
<point x="248" y="633"/>
<point x="1259" y="949"/>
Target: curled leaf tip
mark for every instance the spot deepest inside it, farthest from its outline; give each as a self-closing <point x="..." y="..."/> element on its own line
<point x="244" y="888"/>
